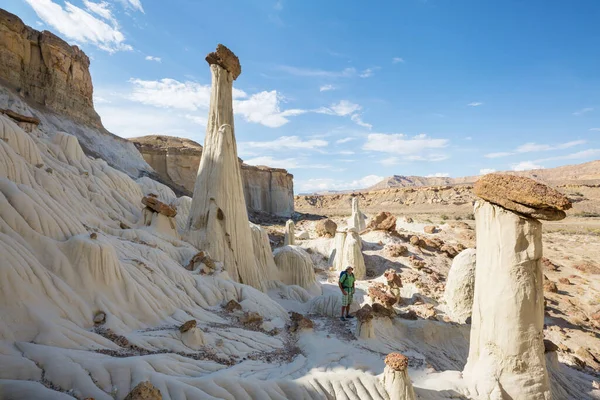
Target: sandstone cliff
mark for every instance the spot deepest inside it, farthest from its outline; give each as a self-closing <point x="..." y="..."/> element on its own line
<point x="43" y="77"/>
<point x="176" y="160"/>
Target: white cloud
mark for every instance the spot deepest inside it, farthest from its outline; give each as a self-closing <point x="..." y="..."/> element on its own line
<point x="346" y="152"/>
<point x="475" y="104"/>
<point x="595" y="129"/>
<point x="344" y="140"/>
<point x="398" y="143"/>
<point x="499" y="154"/>
<point x="343" y="108"/>
<point x="323" y="184"/>
<point x="535" y="147"/>
<point x="397" y="60"/>
<point x="152" y="58"/>
<point x="438" y="175"/>
<point x="368" y="72"/>
<point x="345" y="73"/>
<point x="263" y="108"/>
<point x="134" y="4"/>
<point x="77" y="24"/>
<point x="287" y="163"/>
<point x="100" y="100"/>
<point x="485" y="171"/>
<point x="101" y="9"/>
<point x="196" y="119"/>
<point x="326" y="88"/>
<point x="525" y="165"/>
<point x="358" y="120"/>
<point x="583" y="111"/>
<point x="574" y="156"/>
<point x="286" y="142"/>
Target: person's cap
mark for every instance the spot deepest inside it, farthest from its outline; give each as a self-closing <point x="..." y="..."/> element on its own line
<point x="349" y="267"/>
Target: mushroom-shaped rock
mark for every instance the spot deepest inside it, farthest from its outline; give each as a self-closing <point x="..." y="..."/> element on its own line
<point x="203" y="259"/>
<point x="144" y="391"/>
<point x="379" y="295"/>
<point x="296" y="268"/>
<point x="348" y="252"/>
<point x="218" y="219"/>
<point x="364" y="324"/>
<point x="326" y="227"/>
<point x="191" y="335"/>
<point x="460" y="286"/>
<point x="395" y="378"/>
<point x="384" y="221"/>
<point x="523" y="195"/>
<point x="289" y="237"/>
<point x="357" y="220"/>
<point x="509" y="362"/>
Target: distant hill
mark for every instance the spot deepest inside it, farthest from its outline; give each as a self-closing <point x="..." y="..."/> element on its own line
<point x="581" y="173"/>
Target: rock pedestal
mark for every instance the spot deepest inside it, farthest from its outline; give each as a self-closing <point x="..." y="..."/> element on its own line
<point x="357" y="220"/>
<point x="348" y="252"/>
<point x="218" y="220"/>
<point x="460" y="286"/>
<point x="395" y="378"/>
<point x="364" y="323"/>
<point x="289" y="238"/>
<point x="506" y="352"/>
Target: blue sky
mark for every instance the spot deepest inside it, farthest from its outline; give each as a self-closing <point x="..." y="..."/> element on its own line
<point x="344" y="93"/>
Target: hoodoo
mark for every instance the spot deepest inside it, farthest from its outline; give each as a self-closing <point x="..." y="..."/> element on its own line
<point x="357" y="220"/>
<point x="218" y="221"/>
<point x="347" y="251"/>
<point x="395" y="378"/>
<point x="289" y="236"/>
<point x="506" y="353"/>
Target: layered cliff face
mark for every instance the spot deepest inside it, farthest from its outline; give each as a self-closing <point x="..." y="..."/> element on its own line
<point x="175" y="159"/>
<point x="43" y="68"/>
<point x="45" y="79"/>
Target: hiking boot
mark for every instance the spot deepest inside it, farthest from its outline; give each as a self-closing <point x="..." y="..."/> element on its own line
<point x="342" y="319"/>
<point x="349" y="316"/>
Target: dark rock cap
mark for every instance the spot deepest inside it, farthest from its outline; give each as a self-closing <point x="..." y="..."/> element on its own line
<point x="225" y="58"/>
<point x="523" y="195"/>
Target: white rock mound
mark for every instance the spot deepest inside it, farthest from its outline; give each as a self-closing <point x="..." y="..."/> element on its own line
<point x="347" y="251"/>
<point x="460" y="286"/>
<point x="296" y="268"/>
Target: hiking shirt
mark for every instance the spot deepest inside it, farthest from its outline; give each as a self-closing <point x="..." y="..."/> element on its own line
<point x="347" y="281"/>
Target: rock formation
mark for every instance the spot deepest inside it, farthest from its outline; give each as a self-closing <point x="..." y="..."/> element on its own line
<point x="395" y="378"/>
<point x="460" y="286"/>
<point x="296" y="268"/>
<point x="289" y="237"/>
<point x="506" y="352"/>
<point x="218" y="220"/>
<point x="263" y="254"/>
<point x="384" y="221"/>
<point x="364" y="324"/>
<point x="347" y="251"/>
<point x="326" y="227"/>
<point x="176" y="160"/>
<point x="357" y="219"/>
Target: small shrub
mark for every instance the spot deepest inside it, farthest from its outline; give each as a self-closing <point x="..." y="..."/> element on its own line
<point x="444" y="217"/>
<point x="470" y="216"/>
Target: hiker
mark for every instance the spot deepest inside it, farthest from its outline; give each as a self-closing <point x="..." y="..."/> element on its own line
<point x="346" y="285"/>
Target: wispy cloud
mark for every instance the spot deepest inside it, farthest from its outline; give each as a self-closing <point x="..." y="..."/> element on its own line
<point x="397" y="60"/>
<point x="79" y="25"/>
<point x="133" y="4"/>
<point x="152" y="58"/>
<point x="310" y="72"/>
<point x="438" y="175"/>
<point x="326" y="88"/>
<point x="402" y="144"/>
<point x="535" y="147"/>
<point x="344" y="140"/>
<point x="357" y="119"/>
<point x="595" y="129"/>
<point x="367" y="73"/>
<point x="323" y="184"/>
<point x="574" y="156"/>
<point x="286" y="142"/>
<point x="475" y="104"/>
<point x="485" y="171"/>
<point x="525" y="165"/>
<point x="583" y="111"/>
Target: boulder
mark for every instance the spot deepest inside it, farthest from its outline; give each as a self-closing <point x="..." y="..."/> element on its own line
<point x="296" y="267"/>
<point x="158" y="206"/>
<point x="299" y="322"/>
<point x="430" y="229"/>
<point x="384" y="221"/>
<point x="396" y="250"/>
<point x="523" y="195"/>
<point x="188" y="325"/>
<point x="460" y="286"/>
<point x="232" y="306"/>
<point x="326" y="227"/>
<point x="144" y="391"/>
